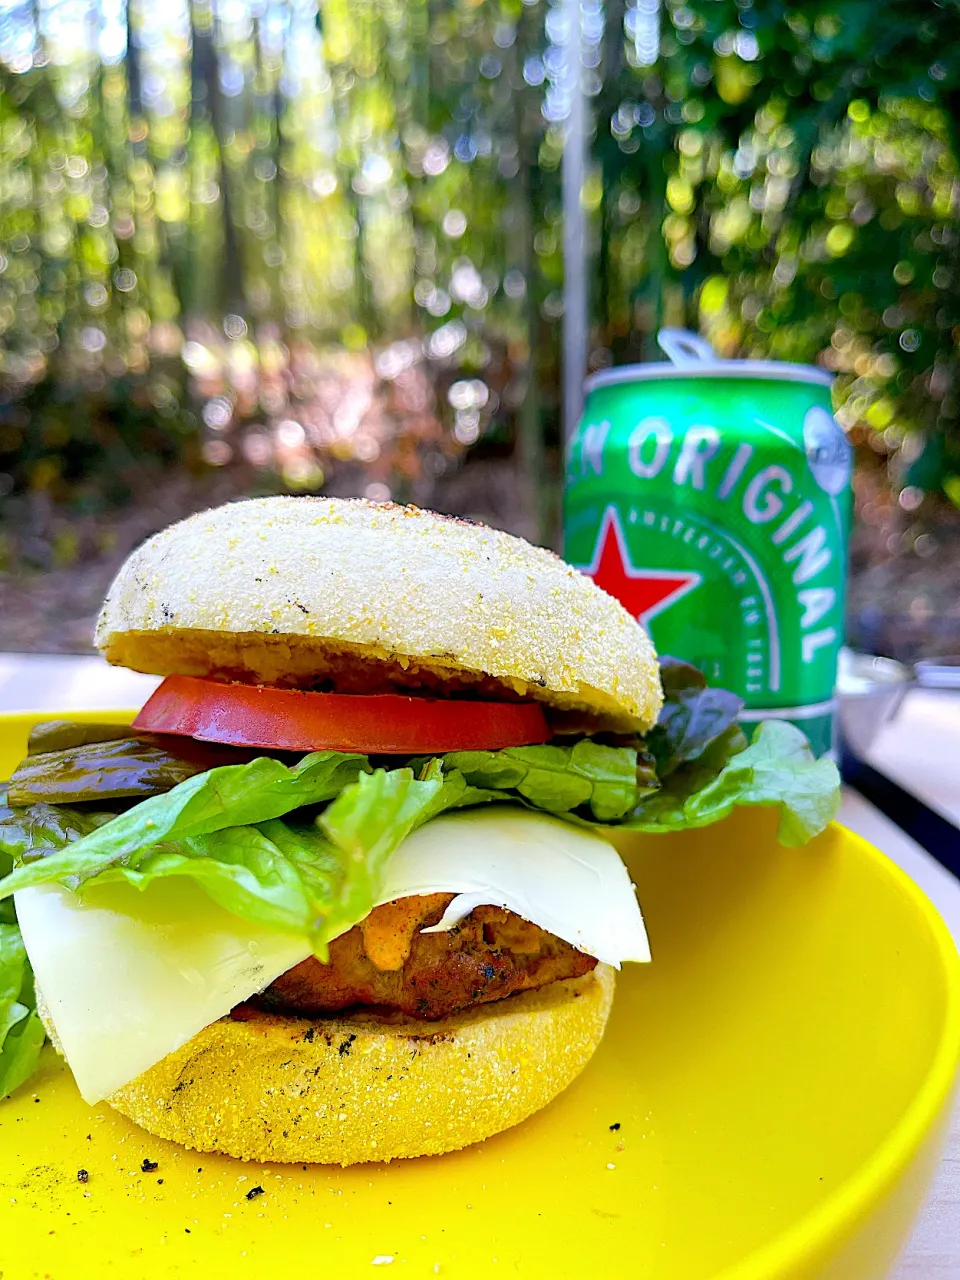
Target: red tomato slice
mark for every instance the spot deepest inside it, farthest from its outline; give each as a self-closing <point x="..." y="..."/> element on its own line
<point x="288" y="720"/>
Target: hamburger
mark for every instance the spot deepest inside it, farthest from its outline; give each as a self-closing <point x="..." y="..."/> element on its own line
<point x="344" y="890"/>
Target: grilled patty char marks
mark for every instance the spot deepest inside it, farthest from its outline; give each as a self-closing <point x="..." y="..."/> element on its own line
<point x="387" y="961"/>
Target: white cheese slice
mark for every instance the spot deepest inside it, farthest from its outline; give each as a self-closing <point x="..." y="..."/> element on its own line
<point x="130" y="975"/>
<point x="566" y="879"/>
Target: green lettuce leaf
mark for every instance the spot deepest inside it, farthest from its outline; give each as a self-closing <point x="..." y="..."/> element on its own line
<point x="558" y="780"/>
<point x="21" y="1031"/>
<point x="42" y="829"/>
<point x="366" y="824"/>
<point x="776" y="769"/>
<point x="663" y="810"/>
<point x="693" y="716"/>
<point x="244" y="869"/>
<point x="236" y="795"/>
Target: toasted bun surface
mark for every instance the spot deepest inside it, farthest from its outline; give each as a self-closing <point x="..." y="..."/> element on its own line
<point x="364" y="1086"/>
<point x="322" y="592"/>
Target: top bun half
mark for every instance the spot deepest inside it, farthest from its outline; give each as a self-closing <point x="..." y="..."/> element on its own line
<point x="323" y="593"/>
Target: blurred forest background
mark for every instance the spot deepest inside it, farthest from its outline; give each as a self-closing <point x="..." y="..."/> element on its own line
<point x="256" y="246"/>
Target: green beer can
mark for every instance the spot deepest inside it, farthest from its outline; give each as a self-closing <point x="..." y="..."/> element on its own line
<point x="712" y="497"/>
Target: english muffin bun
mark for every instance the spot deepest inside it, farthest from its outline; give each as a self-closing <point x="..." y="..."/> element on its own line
<point x="364" y="597"/>
<point x="367" y="1085"/>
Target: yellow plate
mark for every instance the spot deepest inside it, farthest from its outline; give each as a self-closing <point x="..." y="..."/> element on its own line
<point x="768" y="1102"/>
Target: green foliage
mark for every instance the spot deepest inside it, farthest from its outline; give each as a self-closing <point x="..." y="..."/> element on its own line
<point x="323" y="239"/>
<point x="785" y="178"/>
<point x="300" y="240"/>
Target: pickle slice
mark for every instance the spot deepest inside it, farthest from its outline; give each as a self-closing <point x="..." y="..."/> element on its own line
<point x="86" y="766"/>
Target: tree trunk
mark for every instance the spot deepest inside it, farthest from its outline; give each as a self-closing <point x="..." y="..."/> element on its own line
<point x="530" y="446"/>
<point x="208" y="109"/>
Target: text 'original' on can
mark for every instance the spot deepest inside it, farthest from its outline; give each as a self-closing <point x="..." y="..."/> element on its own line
<point x="713" y="500"/>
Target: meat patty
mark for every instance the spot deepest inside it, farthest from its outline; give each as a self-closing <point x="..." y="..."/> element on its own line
<point x="387" y="961"/>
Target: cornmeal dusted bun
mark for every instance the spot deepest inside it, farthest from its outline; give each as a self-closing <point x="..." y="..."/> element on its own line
<point x="363" y="1086"/>
<point x="365" y="597"/>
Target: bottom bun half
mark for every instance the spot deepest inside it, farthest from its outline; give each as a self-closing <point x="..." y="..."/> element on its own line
<point x="368" y="1086"/>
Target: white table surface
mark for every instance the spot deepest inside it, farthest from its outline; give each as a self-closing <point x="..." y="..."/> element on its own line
<point x="920" y="749"/>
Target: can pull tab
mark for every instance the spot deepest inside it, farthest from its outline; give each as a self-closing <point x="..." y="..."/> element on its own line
<point x="685" y="349"/>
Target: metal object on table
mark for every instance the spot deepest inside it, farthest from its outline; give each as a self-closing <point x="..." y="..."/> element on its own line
<point x="939" y="673"/>
<point x="870" y="690"/>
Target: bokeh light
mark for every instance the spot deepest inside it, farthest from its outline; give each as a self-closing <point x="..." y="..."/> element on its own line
<point x="289" y="245"/>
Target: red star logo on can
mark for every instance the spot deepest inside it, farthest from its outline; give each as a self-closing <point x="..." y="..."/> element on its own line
<point x="643" y="592"/>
